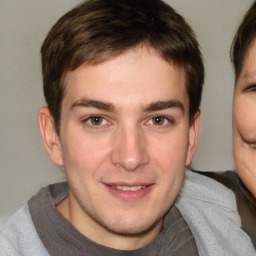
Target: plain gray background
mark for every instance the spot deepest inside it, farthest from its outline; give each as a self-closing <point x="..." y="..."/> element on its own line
<point x="24" y="165"/>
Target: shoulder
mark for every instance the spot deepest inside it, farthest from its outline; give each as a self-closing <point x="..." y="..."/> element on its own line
<point x="210" y="209"/>
<point x="202" y="186"/>
<point x="18" y="235"/>
<point x="228" y="178"/>
<point x="199" y="189"/>
<point x="246" y="203"/>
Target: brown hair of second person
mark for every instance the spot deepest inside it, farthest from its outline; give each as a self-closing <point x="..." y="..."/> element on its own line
<point x="98" y="30"/>
<point x="243" y="39"/>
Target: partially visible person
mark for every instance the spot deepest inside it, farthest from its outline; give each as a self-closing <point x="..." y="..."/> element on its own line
<point x="244" y="116"/>
<point x="243" y="181"/>
<point x="244" y="102"/>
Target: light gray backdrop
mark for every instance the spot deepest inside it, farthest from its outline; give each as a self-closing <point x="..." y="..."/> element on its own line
<point x="24" y="165"/>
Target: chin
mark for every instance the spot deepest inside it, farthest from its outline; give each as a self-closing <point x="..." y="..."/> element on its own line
<point x="134" y="226"/>
<point x="248" y="177"/>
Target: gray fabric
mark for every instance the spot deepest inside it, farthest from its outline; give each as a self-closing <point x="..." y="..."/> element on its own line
<point x="246" y="203"/>
<point x="61" y="238"/>
<point x="211" y="212"/>
<point x="18" y="236"/>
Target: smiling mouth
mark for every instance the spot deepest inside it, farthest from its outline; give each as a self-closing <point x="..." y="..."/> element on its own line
<point x="130" y="192"/>
<point x="127" y="188"/>
<point x="253" y="145"/>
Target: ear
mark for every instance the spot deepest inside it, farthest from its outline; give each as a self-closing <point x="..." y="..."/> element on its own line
<point x="193" y="134"/>
<point x="49" y="136"/>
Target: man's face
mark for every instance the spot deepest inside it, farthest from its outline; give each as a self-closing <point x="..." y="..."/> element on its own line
<point x="244" y="121"/>
<point x="125" y="140"/>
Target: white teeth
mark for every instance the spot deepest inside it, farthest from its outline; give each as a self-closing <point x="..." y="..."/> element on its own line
<point x="253" y="145"/>
<point x="126" y="188"/>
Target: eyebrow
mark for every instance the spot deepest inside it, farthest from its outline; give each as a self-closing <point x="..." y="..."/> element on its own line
<point x="161" y="105"/>
<point x="94" y="104"/>
<point x="154" y="106"/>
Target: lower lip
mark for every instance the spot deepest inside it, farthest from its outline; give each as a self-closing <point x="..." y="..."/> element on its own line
<point x="129" y="196"/>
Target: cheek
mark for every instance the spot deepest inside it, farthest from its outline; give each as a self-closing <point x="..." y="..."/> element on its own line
<point x="82" y="152"/>
<point x="171" y="152"/>
<point x="244" y="118"/>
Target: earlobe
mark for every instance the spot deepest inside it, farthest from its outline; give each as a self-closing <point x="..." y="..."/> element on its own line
<point x="49" y="136"/>
<point x="193" y="134"/>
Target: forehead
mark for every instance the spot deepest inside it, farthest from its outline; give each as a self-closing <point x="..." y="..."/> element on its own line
<point x="248" y="71"/>
<point x="138" y="76"/>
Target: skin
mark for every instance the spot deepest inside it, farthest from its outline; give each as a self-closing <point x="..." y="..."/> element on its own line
<point x="123" y="123"/>
<point x="244" y="121"/>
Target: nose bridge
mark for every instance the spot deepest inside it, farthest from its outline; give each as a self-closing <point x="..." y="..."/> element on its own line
<point x="130" y="151"/>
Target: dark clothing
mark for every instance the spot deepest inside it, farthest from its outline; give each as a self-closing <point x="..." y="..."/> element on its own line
<point x="59" y="237"/>
<point x="246" y="203"/>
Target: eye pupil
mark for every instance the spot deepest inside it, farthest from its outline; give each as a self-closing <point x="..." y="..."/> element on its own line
<point x="158" y="120"/>
<point x="96" y="120"/>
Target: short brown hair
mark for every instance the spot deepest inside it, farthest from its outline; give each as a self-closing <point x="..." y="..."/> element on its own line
<point x="98" y="30"/>
<point x="243" y="39"/>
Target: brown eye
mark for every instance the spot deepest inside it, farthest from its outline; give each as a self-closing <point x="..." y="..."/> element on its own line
<point x="158" y="120"/>
<point x="96" y="120"/>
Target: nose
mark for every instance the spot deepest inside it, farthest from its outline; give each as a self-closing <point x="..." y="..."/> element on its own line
<point x="130" y="149"/>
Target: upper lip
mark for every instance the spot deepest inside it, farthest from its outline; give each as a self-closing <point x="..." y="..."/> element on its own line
<point x="128" y="184"/>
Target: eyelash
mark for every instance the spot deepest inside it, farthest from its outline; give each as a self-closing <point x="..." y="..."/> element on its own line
<point x="250" y="88"/>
